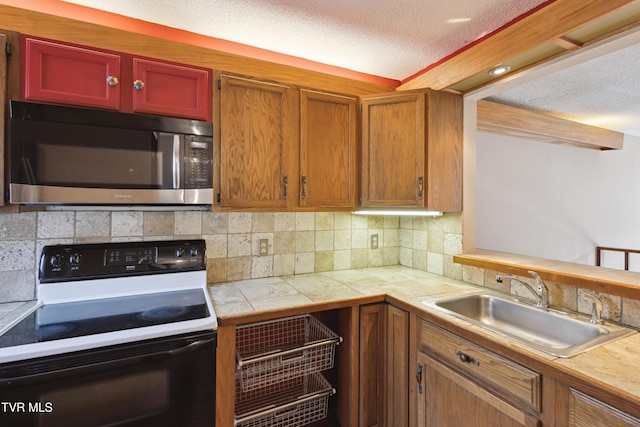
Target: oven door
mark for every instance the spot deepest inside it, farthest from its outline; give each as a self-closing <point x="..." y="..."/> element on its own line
<point x="161" y="382"/>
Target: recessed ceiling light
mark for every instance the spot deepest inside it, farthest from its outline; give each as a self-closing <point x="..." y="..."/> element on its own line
<point x="499" y="70"/>
<point x="458" y="20"/>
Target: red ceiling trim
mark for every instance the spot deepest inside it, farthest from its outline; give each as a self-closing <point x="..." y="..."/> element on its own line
<point x="108" y="19"/>
<point x="481" y="39"/>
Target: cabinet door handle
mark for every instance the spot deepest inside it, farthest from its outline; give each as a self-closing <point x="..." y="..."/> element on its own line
<point x="419" y="377"/>
<point x="420" y="187"/>
<point x="285" y="184"/>
<point x="112" y="81"/>
<point x="303" y="179"/>
<point x="138" y="84"/>
<point x="465" y="358"/>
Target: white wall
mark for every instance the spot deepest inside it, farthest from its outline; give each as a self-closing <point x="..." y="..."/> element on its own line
<point x="557" y="202"/>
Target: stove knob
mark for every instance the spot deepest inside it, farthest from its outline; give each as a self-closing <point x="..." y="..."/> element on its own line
<point x="193" y="252"/>
<point x="75" y="259"/>
<point x="56" y="261"/>
<point x="180" y="252"/>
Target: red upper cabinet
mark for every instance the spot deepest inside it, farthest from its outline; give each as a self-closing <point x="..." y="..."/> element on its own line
<point x="175" y="90"/>
<point x="68" y="74"/>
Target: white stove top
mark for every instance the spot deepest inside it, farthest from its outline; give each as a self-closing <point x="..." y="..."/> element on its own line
<point x="117" y="297"/>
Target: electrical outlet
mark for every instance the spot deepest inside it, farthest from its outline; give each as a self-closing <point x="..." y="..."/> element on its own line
<point x="374" y="241"/>
<point x="264" y="247"/>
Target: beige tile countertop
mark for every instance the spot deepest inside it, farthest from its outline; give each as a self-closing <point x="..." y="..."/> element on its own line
<point x="412" y="286"/>
<point x="608" y="365"/>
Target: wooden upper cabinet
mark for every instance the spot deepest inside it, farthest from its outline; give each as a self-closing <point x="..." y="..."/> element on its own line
<point x="286" y="148"/>
<point x="256" y="125"/>
<point x="393" y="150"/>
<point x="328" y="150"/>
<point x="412" y="150"/>
<point x="68" y="74"/>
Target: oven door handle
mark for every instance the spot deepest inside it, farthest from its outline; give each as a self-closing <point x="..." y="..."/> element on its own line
<point x="194" y="346"/>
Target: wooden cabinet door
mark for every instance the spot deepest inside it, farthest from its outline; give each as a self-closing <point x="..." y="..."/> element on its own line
<point x="393" y="150"/>
<point x="397" y="367"/>
<point x="412" y="150"/>
<point x="384" y="366"/>
<point x="371" y="383"/>
<point x="256" y="136"/>
<point x="443" y="181"/>
<point x="65" y="74"/>
<point x="328" y="150"/>
<point x="585" y="411"/>
<point x="447" y="399"/>
<point x="171" y="89"/>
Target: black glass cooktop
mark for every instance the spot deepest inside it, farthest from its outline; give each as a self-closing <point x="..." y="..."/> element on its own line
<point x="74" y="319"/>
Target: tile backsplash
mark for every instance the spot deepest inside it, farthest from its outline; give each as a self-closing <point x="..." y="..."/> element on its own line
<point x="300" y="242"/>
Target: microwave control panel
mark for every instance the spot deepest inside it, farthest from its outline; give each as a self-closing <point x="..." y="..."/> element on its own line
<point x="198" y="162"/>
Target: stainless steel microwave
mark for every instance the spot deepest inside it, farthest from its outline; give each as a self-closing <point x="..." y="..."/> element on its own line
<point x="81" y="156"/>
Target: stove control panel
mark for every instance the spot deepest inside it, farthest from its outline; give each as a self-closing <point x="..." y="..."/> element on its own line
<point x="60" y="263"/>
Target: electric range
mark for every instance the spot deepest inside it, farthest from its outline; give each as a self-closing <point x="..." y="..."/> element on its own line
<point x="96" y="295"/>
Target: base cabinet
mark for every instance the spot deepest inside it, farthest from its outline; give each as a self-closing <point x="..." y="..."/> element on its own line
<point x="461" y="384"/>
<point x="397" y="369"/>
<point x="371" y="361"/>
<point x="446" y="398"/>
<point x="384" y="366"/>
<point x="586" y="411"/>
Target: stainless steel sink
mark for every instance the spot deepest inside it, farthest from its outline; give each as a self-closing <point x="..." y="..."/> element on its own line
<point x="553" y="332"/>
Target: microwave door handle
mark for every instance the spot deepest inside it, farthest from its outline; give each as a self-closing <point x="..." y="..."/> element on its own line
<point x="26" y="164"/>
<point x="176" y="161"/>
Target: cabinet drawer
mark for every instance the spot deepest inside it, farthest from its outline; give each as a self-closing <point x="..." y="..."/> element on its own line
<point x="485" y="366"/>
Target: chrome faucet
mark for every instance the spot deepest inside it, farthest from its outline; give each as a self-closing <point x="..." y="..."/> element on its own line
<point x="542" y="292"/>
<point x="596" y="308"/>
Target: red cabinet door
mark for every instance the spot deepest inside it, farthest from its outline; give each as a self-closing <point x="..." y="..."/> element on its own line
<point x="171" y="89"/>
<point x="70" y="75"/>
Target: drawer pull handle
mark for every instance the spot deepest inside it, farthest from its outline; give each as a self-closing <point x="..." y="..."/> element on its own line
<point x="465" y="358"/>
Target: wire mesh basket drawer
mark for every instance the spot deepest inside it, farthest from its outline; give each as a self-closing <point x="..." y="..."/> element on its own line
<point x="295" y="402"/>
<point x="276" y="350"/>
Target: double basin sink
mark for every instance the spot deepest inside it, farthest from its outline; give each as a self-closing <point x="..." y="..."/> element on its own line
<point x="553" y="332"/>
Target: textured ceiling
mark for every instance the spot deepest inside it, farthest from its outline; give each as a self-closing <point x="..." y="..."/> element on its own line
<point x="603" y="91"/>
<point x="397" y="38"/>
<point x="387" y="38"/>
